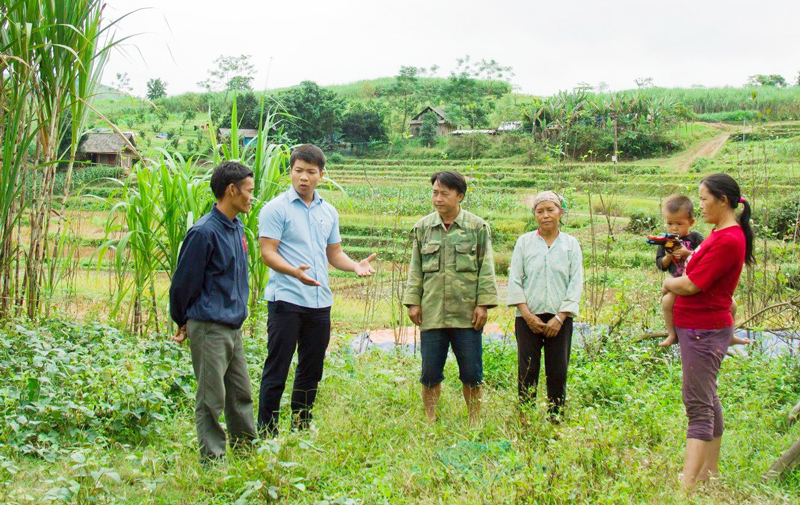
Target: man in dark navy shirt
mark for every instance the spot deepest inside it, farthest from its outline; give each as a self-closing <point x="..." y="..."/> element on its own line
<point x="208" y="300"/>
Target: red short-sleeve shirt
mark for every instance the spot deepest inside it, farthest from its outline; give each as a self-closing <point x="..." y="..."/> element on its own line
<point x="714" y="267"/>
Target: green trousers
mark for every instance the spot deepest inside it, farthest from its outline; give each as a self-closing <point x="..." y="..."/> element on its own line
<point x="222" y="384"/>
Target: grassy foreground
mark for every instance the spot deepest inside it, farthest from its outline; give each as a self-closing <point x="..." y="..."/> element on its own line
<point x="115" y="425"/>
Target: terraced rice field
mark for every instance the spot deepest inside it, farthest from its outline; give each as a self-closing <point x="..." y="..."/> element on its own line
<point x="382" y="198"/>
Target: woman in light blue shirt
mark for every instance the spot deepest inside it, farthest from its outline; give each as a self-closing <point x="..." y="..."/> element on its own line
<point x="545" y="285"/>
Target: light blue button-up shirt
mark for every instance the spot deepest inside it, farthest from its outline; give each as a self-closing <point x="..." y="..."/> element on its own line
<point x="548" y="279"/>
<point x="304" y="233"/>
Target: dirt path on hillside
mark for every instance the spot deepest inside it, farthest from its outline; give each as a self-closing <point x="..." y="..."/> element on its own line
<point x="707" y="149"/>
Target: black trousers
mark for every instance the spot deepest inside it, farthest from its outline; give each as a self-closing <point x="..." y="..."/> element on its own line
<point x="291" y="327"/>
<point x="556" y="361"/>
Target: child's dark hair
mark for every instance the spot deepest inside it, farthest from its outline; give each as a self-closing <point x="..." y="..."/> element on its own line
<point x="452" y="180"/>
<point x="720" y="185"/>
<point x="227" y="173"/>
<point x="679" y="203"/>
<point x="310" y="154"/>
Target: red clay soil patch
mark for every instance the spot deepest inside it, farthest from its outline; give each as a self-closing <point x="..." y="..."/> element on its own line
<point x="706" y="150"/>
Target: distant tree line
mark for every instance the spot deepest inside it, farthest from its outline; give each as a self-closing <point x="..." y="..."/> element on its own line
<point x="474" y="95"/>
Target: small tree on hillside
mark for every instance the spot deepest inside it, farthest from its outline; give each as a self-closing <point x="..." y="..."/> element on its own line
<point x="122" y="82"/>
<point x="429" y="129"/>
<point x="315" y="112"/>
<point x="472" y="89"/>
<point x="230" y="73"/>
<point x="403" y="90"/>
<point x="156" y="88"/>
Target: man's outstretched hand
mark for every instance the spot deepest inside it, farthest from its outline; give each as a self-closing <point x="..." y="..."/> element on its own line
<point x="301" y="275"/>
<point x="363" y="268"/>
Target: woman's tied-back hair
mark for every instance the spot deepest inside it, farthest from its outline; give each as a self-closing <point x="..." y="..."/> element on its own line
<point x="721" y="185"/>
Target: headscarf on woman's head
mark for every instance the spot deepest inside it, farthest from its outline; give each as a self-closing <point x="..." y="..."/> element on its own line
<point x="549" y="196"/>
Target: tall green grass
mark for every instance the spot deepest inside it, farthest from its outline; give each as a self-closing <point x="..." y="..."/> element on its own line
<point x="773" y="103"/>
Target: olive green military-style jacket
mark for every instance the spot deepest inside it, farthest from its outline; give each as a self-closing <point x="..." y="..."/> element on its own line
<point x="451" y="271"/>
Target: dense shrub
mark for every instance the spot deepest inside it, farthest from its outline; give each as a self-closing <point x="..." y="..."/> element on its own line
<point x="641" y="223"/>
<point x="468" y="146"/>
<point x="335" y="157"/>
<point x="86" y="383"/>
<point x="645" y="143"/>
<point x="363" y="126"/>
<point x="732" y="116"/>
<point x="782" y="219"/>
<point x="509" y="144"/>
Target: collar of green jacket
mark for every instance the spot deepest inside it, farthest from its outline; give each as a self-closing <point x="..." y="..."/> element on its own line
<point x="459" y="220"/>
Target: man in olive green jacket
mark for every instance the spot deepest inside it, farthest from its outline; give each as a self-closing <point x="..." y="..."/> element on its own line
<point x="451" y="284"/>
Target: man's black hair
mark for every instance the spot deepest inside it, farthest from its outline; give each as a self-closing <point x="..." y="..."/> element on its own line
<point x="310" y="154"/>
<point x="452" y="180"/>
<point x="227" y="173"/>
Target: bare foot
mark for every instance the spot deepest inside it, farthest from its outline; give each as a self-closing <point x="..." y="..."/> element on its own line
<point x="739" y="341"/>
<point x="671" y="339"/>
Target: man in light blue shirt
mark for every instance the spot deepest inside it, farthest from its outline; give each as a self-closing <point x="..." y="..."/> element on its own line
<point x="299" y="237"/>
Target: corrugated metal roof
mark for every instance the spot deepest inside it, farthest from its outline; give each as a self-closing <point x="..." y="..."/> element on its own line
<point x="242" y="132"/>
<point x="469" y="132"/>
<point x="510" y="126"/>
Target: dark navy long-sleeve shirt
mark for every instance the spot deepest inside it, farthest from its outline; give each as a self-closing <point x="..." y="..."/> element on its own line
<point x="210" y="281"/>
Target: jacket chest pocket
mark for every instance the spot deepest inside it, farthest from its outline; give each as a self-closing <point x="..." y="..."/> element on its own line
<point x="430" y="257"/>
<point x="466" y="257"/>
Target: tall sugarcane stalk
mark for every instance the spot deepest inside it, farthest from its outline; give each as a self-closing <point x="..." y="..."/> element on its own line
<point x="51" y="57"/>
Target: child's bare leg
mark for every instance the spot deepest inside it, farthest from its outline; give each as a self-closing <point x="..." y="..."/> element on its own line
<point x="667" y="302"/>
<point x="734" y="339"/>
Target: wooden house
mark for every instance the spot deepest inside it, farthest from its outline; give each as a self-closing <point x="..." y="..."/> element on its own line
<point x="445" y="127"/>
<point x="108" y="149"/>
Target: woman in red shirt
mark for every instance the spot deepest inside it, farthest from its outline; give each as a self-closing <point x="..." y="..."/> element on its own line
<point x="703" y="318"/>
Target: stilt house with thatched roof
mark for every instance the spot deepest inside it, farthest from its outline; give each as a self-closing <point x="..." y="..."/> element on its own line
<point x="108" y="149"/>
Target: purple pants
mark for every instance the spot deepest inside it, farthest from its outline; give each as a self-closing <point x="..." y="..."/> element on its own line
<point x="702" y="352"/>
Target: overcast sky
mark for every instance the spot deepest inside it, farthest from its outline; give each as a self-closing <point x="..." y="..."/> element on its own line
<point x="551" y="45"/>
